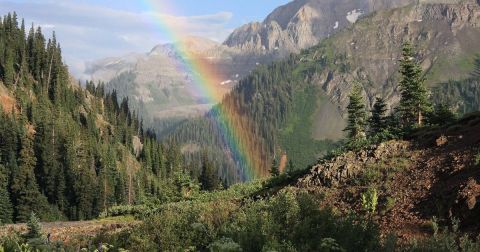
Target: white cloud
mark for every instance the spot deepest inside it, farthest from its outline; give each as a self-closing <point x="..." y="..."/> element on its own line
<point x="87" y="32"/>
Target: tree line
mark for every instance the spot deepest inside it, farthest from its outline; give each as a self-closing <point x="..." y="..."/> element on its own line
<point x="69" y="152"/>
<point x="414" y="110"/>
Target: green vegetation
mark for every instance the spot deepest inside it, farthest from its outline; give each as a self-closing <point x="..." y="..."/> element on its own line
<point x="442" y="115"/>
<point x="461" y="95"/>
<point x="71" y="153"/>
<point x="274" y="171"/>
<point x="378" y="121"/>
<point x="34" y="228"/>
<point x="414" y="102"/>
<point x="209" y="178"/>
<point x="295" y="136"/>
<point x="289" y="221"/>
<point x="446" y="240"/>
<point x="370" y="200"/>
<point x="357" y="116"/>
<point x="477" y="159"/>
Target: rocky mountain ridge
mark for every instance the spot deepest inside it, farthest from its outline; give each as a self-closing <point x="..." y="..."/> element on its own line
<point x="159" y="83"/>
<point x="303" y="23"/>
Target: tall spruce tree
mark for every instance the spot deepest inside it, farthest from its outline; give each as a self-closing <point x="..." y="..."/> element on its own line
<point x="34" y="228"/>
<point x="24" y="184"/>
<point x="357" y="115"/>
<point x="442" y="115"/>
<point x="378" y="121"/>
<point x="414" y="102"/>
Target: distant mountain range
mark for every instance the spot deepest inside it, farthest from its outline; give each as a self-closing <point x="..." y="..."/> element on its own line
<point x="158" y="89"/>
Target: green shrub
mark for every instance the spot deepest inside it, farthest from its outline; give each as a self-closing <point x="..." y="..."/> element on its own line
<point x="224" y="245"/>
<point x="370" y="175"/>
<point x="34" y="228"/>
<point x="477" y="159"/>
<point x="370" y="200"/>
<point x="447" y="240"/>
<point x="289" y="221"/>
<point x="330" y="245"/>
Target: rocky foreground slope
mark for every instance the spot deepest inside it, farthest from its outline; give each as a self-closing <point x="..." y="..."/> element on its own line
<point x="436" y="174"/>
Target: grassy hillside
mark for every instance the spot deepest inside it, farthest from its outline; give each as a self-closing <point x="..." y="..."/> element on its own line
<point x="296" y="136"/>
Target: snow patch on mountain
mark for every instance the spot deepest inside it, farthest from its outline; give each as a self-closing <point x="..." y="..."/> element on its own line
<point x="354" y="15"/>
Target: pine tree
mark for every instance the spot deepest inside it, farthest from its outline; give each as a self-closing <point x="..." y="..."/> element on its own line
<point x="442" y="115"/>
<point x="378" y="121"/>
<point x="34" y="229"/>
<point x="8" y="69"/>
<point x="414" y="102"/>
<point x="274" y="170"/>
<point x="357" y="116"/>
<point x="6" y="209"/>
<point x="209" y="177"/>
<point x="24" y="184"/>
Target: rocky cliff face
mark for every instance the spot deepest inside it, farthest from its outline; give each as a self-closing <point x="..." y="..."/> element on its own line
<point x="444" y="35"/>
<point x="303" y="23"/>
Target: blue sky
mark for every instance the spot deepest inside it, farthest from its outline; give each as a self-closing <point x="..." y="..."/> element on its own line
<point x="90" y="30"/>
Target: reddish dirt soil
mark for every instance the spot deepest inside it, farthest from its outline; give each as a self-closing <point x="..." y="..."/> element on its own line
<point x="441" y="180"/>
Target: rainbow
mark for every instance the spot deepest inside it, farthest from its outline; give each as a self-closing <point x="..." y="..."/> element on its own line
<point x="238" y="136"/>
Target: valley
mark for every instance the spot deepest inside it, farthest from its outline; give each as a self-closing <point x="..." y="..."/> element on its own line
<point x="329" y="126"/>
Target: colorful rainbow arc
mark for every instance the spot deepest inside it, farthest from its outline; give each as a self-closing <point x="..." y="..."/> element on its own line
<point x="206" y="82"/>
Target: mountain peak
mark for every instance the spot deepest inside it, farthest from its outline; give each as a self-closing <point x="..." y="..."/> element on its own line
<point x="303" y="23"/>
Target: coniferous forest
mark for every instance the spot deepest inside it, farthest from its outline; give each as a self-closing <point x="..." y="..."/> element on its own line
<point x="68" y="152"/>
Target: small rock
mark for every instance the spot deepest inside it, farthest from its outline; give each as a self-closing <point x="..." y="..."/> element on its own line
<point x="441" y="141"/>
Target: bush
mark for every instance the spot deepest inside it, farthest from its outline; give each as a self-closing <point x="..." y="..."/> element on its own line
<point x="225" y="245"/>
<point x="34" y="228"/>
<point x="289" y="221"/>
<point x="370" y="200"/>
<point x="122" y="210"/>
<point x="477" y="159"/>
<point x="446" y="240"/>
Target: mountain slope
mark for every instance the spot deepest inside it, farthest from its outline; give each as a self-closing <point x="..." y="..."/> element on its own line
<point x="160" y="86"/>
<point x="424" y="192"/>
<point x="303" y="23"/>
<point x="435" y="173"/>
<point x="288" y="103"/>
<point x="67" y="152"/>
